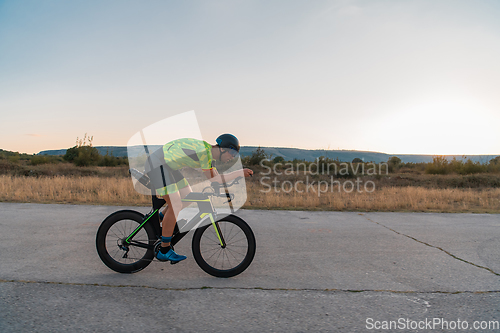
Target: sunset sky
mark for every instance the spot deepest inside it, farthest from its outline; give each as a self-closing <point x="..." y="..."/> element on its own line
<point x="400" y="77"/>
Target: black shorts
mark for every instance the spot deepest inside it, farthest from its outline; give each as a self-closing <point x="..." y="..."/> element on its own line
<point x="163" y="178"/>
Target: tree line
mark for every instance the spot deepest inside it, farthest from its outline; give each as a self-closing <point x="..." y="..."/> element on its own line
<point x="85" y="154"/>
<point x="440" y="164"/>
<point x="82" y="154"/>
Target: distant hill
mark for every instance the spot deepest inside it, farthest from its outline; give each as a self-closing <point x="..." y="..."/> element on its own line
<point x="306" y="154"/>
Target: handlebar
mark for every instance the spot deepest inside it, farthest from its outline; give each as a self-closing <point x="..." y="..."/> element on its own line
<point x="216" y="186"/>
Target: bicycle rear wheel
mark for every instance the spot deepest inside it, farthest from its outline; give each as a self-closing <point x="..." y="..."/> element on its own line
<point x="115" y="252"/>
<point x="234" y="257"/>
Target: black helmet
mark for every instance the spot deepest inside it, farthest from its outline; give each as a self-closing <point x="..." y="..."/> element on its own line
<point x="228" y="141"/>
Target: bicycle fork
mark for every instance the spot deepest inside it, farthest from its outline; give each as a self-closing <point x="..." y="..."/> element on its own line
<point x="216" y="226"/>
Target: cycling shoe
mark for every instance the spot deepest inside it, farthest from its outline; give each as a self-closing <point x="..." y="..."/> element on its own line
<point x="170" y="256"/>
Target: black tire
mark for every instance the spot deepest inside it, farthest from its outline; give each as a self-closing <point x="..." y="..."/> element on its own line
<point x="231" y="260"/>
<point x="109" y="242"/>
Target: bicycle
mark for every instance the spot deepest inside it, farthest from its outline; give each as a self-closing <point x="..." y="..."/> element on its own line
<point x="128" y="241"/>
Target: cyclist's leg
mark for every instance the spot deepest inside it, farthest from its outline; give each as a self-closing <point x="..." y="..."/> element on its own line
<point x="174" y="206"/>
<point x="183" y="186"/>
<point x="164" y="180"/>
<point x="184" y="192"/>
<point x="174" y="202"/>
<point x="166" y="251"/>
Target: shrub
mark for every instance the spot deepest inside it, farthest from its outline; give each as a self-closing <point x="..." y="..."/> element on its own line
<point x="71" y="154"/>
<point x="394" y="163"/>
<point x="257" y="156"/>
<point x="470" y="167"/>
<point x="325" y="165"/>
<point x="108" y="160"/>
<point x="494" y="165"/>
<point x="14" y="158"/>
<point x="278" y="159"/>
<point x="439" y="166"/>
<point x="37" y="159"/>
<point x="83" y="154"/>
<point x="87" y="155"/>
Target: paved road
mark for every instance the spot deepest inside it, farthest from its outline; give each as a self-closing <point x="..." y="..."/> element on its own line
<point x="313" y="271"/>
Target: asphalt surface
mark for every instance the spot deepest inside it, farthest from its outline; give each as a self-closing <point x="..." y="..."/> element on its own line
<point x="313" y="271"/>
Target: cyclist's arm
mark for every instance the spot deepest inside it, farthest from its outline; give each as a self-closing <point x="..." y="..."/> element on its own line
<point x="213" y="175"/>
<point x="210" y="173"/>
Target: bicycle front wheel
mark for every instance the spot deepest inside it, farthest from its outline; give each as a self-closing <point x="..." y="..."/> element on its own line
<point x="115" y="252"/>
<point x="229" y="259"/>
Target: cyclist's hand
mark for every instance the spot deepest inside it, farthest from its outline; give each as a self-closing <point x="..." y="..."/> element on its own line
<point x="215" y="173"/>
<point x="247" y="172"/>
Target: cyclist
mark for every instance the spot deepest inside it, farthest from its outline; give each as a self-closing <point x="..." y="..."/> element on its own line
<point x="163" y="170"/>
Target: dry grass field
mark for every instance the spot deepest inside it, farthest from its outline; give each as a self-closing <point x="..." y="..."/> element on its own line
<point x="400" y="192"/>
<point x="411" y="199"/>
<point x="74" y="190"/>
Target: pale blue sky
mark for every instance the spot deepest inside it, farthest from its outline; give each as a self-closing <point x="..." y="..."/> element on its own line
<point x="391" y="76"/>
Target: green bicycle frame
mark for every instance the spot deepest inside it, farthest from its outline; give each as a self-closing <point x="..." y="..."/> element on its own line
<point x="205" y="209"/>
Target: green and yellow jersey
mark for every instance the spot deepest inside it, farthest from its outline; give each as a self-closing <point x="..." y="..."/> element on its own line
<point x="189" y="153"/>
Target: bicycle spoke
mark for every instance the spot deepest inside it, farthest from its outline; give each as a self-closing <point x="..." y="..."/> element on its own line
<point x="232" y="250"/>
<point x="237" y="241"/>
<point x="229" y="259"/>
<point x="212" y="248"/>
<point x="214" y="253"/>
<point x="228" y="234"/>
<point x="118" y="232"/>
<point x="236" y="234"/>
<point x="213" y="240"/>
<point x="220" y="252"/>
<point x="123" y="228"/>
<point x="232" y="254"/>
<point x="117" y="252"/>
<point x="135" y="251"/>
<point x="117" y="236"/>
